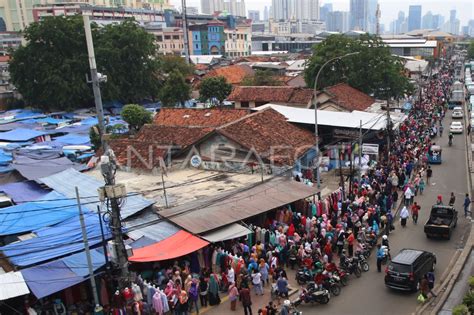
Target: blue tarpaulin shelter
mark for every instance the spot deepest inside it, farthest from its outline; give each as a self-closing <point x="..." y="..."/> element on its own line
<point x="20" y="134"/>
<point x="5" y="157"/>
<point x="61" y="274"/>
<point x="66" y="181"/>
<point x="33" y="169"/>
<point x="48" y="210"/>
<point x="56" y="241"/>
<point x="23" y="191"/>
<point x="82" y="129"/>
<point x="52" y="121"/>
<point x="73" y="139"/>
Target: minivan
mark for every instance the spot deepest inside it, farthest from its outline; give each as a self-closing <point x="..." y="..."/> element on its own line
<point x="407" y="268"/>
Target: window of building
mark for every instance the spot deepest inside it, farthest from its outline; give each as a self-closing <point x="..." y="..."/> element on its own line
<point x="175" y="36"/>
<point x="195" y="37"/>
<point x="197" y="46"/>
<point x="244" y="104"/>
<point x="167" y="37"/>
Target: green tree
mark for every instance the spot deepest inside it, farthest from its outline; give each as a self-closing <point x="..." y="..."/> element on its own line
<point x="261" y="78"/>
<point x="373" y="71"/>
<point x="175" y="90"/>
<point x="470" y="50"/>
<point x="125" y="52"/>
<point x="170" y="63"/>
<point x="136" y="116"/>
<point x="214" y="87"/>
<point x="49" y="70"/>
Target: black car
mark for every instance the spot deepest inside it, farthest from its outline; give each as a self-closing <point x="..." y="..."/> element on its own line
<point x="407" y="268"/>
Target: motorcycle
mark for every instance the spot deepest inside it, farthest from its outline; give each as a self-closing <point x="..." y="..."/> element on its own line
<point x="340" y="275"/>
<point x="327" y="282"/>
<point x="304" y="275"/>
<point x="386" y="254"/>
<point x="321" y="296"/>
<point x="364" y="265"/>
<point x="351" y="266"/>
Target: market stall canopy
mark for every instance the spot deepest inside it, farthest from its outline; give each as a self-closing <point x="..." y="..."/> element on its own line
<point x="61" y="274"/>
<point x="21" y="134"/>
<point x="33" y="169"/>
<point x="55" y="241"/>
<point x="12" y="284"/>
<point x="66" y="181"/>
<point x="73" y="139"/>
<point x="23" y="191"/>
<point x="229" y="232"/>
<point x="49" y="210"/>
<point x="177" y="245"/>
<point x="209" y="214"/>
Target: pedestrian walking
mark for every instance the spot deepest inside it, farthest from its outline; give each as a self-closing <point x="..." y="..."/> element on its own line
<point x="429" y="174"/>
<point x="414" y="212"/>
<point x="380" y="256"/>
<point x="193" y="295"/>
<point x="350" y="243"/>
<point x="452" y="199"/>
<point x="233" y="296"/>
<point x="424" y="287"/>
<point x="404" y="214"/>
<point x="257" y="282"/>
<point x="408" y="195"/>
<point x="203" y="287"/>
<point x="246" y="300"/>
<point x="430" y="276"/>
<point x="467" y="203"/>
<point x="422" y="186"/>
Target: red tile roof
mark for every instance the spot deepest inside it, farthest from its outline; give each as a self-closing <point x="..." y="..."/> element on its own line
<point x="185" y="117"/>
<point x="271" y="94"/>
<point x="269" y="134"/>
<point x="137" y="154"/>
<point x="233" y="74"/>
<point x="178" y="136"/>
<point x="349" y="97"/>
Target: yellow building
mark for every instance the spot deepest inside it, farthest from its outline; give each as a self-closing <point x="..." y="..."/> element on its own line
<point x="238" y="41"/>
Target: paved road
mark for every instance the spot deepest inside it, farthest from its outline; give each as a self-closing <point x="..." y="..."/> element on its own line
<point x="368" y="294"/>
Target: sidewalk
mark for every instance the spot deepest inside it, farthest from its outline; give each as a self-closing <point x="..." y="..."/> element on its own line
<point x="257" y="301"/>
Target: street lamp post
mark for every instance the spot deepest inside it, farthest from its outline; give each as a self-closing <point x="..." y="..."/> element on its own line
<point x="315" y="96"/>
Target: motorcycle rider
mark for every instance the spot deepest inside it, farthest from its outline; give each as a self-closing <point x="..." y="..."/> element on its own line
<point x="386" y="244"/>
<point x="450" y="138"/>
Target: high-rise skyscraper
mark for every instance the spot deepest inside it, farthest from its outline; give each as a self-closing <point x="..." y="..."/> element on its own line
<point x="363" y="15"/>
<point x="234" y="7"/>
<point x="371" y="16"/>
<point x="427" y="21"/>
<point x="454" y="23"/>
<point x="414" y="17"/>
<point x="438" y="21"/>
<point x="254" y="15"/>
<point x="304" y="9"/>
<point x="281" y="9"/>
<point x="337" y="21"/>
<point x="265" y="14"/>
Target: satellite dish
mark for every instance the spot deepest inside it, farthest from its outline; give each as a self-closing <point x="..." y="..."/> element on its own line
<point x="196" y="161"/>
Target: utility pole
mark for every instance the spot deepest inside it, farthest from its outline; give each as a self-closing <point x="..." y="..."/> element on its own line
<point x="185" y="31"/>
<point x="95" y="78"/>
<point x="88" y="253"/>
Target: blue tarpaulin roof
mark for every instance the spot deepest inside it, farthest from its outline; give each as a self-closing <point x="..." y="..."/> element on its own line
<point x="20" y="134"/>
<point x="73" y="139"/>
<point x="82" y="129"/>
<point x="60" y="274"/>
<point x="5" y="157"/>
<point x="23" y="191"/>
<point x="65" y="181"/>
<point x="52" y="121"/>
<point x="33" y="169"/>
<point x="56" y="241"/>
<point x="38" y="214"/>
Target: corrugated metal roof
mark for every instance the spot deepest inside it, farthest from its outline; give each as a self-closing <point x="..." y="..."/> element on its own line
<point x="210" y="214"/>
<point x="138" y="227"/>
<point x="228" y="232"/>
<point x="66" y="181"/>
<point x="12" y="285"/>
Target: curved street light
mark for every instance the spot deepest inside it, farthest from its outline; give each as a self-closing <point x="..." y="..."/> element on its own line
<point x="316" y="136"/>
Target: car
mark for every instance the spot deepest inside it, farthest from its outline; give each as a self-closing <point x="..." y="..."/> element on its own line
<point x="457" y="112"/>
<point x="456" y="127"/>
<point x="407" y="268"/>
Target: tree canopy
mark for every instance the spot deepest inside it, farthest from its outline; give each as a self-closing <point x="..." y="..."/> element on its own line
<point x="214" y="87"/>
<point x="50" y="69"/>
<point x="470" y="50"/>
<point x="373" y="70"/>
<point x="175" y="90"/>
<point x="261" y="78"/>
<point x="136" y="116"/>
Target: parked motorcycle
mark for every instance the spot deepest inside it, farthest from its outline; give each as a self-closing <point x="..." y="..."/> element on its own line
<point x="321" y="296"/>
<point x="351" y="266"/>
<point x="364" y="265"/>
<point x="340" y="275"/>
<point x="304" y="275"/>
<point x="327" y="282"/>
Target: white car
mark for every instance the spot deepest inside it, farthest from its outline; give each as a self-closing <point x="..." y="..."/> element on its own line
<point x="456" y="127"/>
<point x="457" y="112"/>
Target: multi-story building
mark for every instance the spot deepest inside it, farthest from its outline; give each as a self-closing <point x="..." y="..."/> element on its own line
<point x="234" y="7"/>
<point x="9" y="41"/>
<point x="169" y="40"/>
<point x="324" y="11"/>
<point x="192" y="10"/>
<point x="281" y="10"/>
<point x="438" y="21"/>
<point x="266" y="13"/>
<point x="254" y="15"/>
<point x="427" y="21"/>
<point x="207" y="39"/>
<point x="414" y="17"/>
<point x="18" y="14"/>
<point x="337" y="21"/>
<point x="238" y="41"/>
<point x="363" y="15"/>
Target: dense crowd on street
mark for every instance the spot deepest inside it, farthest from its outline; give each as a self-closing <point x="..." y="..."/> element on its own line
<point x="320" y="236"/>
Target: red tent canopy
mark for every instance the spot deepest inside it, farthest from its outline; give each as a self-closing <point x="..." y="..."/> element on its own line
<point x="177" y="245"/>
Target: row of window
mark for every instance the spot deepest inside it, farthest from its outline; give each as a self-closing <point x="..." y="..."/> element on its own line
<point x="170" y="46"/>
<point x="238" y="54"/>
<point x="159" y="38"/>
<point x="237" y="36"/>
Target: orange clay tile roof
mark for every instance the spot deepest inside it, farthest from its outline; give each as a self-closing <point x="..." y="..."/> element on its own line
<point x="185" y="117"/>
<point x="270" y="135"/>
<point x="137" y="154"/>
<point x="177" y="136"/>
<point x="233" y="74"/>
<point x="269" y="94"/>
<point x="349" y="97"/>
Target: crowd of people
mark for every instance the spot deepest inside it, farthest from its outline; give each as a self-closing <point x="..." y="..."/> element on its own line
<point x="318" y="231"/>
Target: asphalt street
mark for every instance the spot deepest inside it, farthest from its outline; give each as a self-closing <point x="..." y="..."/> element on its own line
<point x="368" y="294"/>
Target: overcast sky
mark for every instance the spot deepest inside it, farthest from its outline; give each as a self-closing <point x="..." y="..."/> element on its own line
<point x="389" y="8"/>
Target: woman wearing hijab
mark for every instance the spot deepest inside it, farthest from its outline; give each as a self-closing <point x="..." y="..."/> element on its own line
<point x="214" y="298"/>
<point x="404" y="214"/>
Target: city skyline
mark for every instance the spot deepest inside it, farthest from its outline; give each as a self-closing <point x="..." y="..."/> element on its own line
<point x="389" y="8"/>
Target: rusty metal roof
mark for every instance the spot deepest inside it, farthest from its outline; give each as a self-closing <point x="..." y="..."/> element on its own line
<point x="210" y="214"/>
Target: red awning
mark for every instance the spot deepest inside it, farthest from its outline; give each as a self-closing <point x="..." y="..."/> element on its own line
<point x="177" y="245"/>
